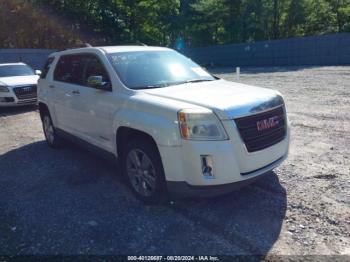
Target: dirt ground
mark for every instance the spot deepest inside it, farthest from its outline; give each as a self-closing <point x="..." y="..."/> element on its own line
<point x="69" y="201"/>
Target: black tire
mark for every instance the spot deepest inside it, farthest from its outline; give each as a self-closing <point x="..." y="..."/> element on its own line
<point x="52" y="138"/>
<point x="141" y="147"/>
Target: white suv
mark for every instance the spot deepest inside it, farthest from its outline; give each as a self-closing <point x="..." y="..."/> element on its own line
<point x="174" y="127"/>
<point x="18" y="84"/>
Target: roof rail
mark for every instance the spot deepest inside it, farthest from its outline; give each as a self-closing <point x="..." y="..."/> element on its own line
<point x="76" y="47"/>
<point x="140" y="43"/>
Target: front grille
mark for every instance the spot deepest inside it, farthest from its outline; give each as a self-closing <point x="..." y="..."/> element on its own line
<point x="262" y="130"/>
<point x="25" y="92"/>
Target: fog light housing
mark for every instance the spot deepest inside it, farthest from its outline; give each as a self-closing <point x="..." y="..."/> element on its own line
<point x="7" y="99"/>
<point x="207" y="166"/>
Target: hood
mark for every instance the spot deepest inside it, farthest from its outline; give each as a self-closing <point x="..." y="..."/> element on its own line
<point x="227" y="99"/>
<point x="19" y="80"/>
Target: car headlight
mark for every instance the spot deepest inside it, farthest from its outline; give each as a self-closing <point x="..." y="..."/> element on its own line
<point x="4" y="89"/>
<point x="200" y="125"/>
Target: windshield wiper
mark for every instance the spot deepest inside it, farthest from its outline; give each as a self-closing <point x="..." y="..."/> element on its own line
<point x="148" y="87"/>
<point x="198" y="80"/>
<point x="172" y="84"/>
<point x="190" y="81"/>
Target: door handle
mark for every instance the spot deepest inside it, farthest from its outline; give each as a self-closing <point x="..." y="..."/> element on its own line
<point x="51" y="86"/>
<point x="75" y="92"/>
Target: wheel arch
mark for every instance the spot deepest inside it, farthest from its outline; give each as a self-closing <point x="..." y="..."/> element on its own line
<point x="125" y="134"/>
<point x="43" y="108"/>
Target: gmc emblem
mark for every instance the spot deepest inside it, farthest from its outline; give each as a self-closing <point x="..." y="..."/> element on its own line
<point x="267" y="123"/>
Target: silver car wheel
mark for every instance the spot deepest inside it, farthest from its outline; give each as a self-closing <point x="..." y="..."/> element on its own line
<point x="141" y="172"/>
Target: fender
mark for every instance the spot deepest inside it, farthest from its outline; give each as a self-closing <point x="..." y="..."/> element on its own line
<point x="164" y="131"/>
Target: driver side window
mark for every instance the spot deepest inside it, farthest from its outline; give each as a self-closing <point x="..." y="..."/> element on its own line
<point x="94" y="67"/>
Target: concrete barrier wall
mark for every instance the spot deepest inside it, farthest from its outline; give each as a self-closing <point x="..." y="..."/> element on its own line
<point x="33" y="57"/>
<point x="314" y="50"/>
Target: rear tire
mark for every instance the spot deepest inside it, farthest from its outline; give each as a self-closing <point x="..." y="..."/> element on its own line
<point x="143" y="168"/>
<point x="52" y="139"/>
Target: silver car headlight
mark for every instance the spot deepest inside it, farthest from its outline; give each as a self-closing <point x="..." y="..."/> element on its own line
<point x="4" y="89"/>
<point x="200" y="124"/>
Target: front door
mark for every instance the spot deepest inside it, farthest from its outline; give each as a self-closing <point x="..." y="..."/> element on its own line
<point x="95" y="106"/>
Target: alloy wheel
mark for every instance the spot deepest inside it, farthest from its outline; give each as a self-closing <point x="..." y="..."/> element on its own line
<point x="141" y="172"/>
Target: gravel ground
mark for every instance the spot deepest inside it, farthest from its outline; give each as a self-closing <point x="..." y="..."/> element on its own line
<point x="69" y="201"/>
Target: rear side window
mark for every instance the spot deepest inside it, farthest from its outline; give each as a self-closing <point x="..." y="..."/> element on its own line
<point x="69" y="69"/>
<point x="46" y="67"/>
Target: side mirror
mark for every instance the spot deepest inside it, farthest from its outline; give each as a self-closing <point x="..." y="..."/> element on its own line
<point x="38" y="72"/>
<point x="97" y="82"/>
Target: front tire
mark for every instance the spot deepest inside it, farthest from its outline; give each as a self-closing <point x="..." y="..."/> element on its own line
<point x="50" y="133"/>
<point x="144" y="171"/>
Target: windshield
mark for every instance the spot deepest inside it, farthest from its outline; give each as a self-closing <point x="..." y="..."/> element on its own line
<point x="15" y="70"/>
<point x="152" y="69"/>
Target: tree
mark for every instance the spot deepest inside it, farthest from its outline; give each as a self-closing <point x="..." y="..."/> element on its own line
<point x="319" y="18"/>
<point x="341" y="10"/>
<point x="68" y="23"/>
<point x="34" y="29"/>
<point x="208" y="20"/>
<point x="295" y="18"/>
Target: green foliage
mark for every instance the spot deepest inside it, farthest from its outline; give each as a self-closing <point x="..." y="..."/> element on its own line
<point x="207" y="23"/>
<point x="295" y="18"/>
<point x="67" y="23"/>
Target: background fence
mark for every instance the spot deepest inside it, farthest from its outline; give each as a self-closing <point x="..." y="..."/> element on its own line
<point x="314" y="50"/>
<point x="33" y="57"/>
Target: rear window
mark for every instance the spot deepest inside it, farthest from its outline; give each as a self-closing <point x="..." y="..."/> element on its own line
<point x="46" y="67"/>
<point x="69" y="69"/>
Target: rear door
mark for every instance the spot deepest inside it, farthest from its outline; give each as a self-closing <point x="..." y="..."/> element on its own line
<point x="67" y="80"/>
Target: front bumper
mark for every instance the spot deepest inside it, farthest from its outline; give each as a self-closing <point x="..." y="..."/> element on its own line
<point x="233" y="165"/>
<point x="10" y="99"/>
<point x="183" y="190"/>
